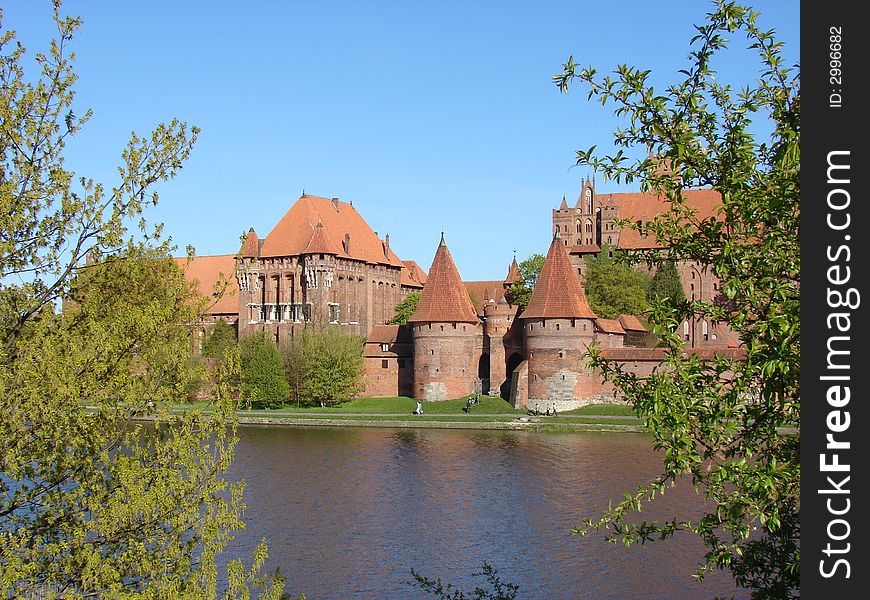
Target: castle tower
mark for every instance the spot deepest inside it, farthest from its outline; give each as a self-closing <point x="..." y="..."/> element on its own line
<point x="502" y="342"/>
<point x="447" y="336"/>
<point x="559" y="324"/>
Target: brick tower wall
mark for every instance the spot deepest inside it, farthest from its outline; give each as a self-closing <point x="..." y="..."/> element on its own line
<point x="446" y="359"/>
<point x="558" y="375"/>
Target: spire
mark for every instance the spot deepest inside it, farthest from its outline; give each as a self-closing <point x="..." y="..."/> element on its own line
<point x="251" y="245"/>
<point x="558" y="292"/>
<point x="564" y="205"/>
<point x="444" y="298"/>
<point x="513" y="273"/>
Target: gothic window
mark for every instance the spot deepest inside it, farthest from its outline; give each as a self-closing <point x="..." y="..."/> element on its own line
<point x="333" y="312"/>
<point x="578" y="227"/>
<point x="686" y="329"/>
<point x="306" y="311"/>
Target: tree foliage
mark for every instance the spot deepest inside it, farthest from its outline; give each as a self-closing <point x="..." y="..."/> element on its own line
<point x="92" y="504"/>
<point x="263" y="384"/>
<point x="614" y="288"/>
<point x="730" y="425"/>
<point x="666" y="284"/>
<point x="220" y="338"/>
<point x="405" y="309"/>
<point x="325" y="366"/>
<point x="520" y="292"/>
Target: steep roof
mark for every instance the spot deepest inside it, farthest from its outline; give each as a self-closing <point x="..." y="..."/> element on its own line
<point x="558" y="292"/>
<point x="444" y="298"/>
<point x="641" y="206"/>
<point x="413" y="274"/>
<point x="205" y="272"/>
<point x="513" y="273"/>
<point x="341" y="223"/>
<point x="251" y="247"/>
<point x="320" y="242"/>
<point x="388" y="334"/>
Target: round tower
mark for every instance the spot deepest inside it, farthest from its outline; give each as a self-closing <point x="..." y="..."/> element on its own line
<point x="559" y="325"/>
<point x="447" y="335"/>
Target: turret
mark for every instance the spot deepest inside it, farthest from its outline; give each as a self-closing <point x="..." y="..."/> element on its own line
<point x="447" y="335"/>
<point x="559" y="324"/>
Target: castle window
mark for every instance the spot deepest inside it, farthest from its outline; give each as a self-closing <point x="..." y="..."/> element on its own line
<point x="573" y="322"/>
<point x="306" y="312"/>
<point x="563" y="378"/>
<point x="432" y="352"/>
<point x="442" y="328"/>
<point x="578" y="227"/>
<point x="385" y="347"/>
<point x="557" y="327"/>
<point x="693" y="274"/>
<point x="333" y="312"/>
<point x="561" y="355"/>
<point x="454" y="326"/>
<point x="385" y="364"/>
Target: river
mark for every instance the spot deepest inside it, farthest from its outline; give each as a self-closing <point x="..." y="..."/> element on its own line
<point x="348" y="512"/>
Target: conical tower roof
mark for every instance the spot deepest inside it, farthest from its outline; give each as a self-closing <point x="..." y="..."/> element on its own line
<point x="558" y="293"/>
<point x="444" y="298"/>
<point x="320" y="242"/>
<point x="513" y="273"/>
<point x="251" y="247"/>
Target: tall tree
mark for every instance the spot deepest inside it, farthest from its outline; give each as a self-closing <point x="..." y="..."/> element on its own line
<point x="728" y="424"/>
<point x="613" y="287"/>
<point x="666" y="284"/>
<point x="327" y="365"/>
<point x="263" y="384"/>
<point x="520" y="292"/>
<point x="91" y="504"/>
<point x="405" y="309"/>
<point x="221" y="337"/>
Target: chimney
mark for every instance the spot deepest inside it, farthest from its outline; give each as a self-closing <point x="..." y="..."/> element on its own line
<point x="335" y="203"/>
<point x="347" y="243"/>
<point x="387" y="245"/>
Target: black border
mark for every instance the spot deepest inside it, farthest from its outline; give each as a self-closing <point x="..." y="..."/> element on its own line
<point x="824" y="129"/>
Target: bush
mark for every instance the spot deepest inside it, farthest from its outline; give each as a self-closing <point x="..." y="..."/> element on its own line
<point x="325" y="366"/>
<point x="263" y="382"/>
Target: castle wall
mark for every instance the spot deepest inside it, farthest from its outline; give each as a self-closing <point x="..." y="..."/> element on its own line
<point x="446" y="357"/>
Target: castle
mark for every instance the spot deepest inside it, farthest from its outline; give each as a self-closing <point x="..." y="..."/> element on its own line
<point x="322" y="264"/>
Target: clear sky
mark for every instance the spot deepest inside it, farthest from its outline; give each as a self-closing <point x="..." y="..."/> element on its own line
<point x="428" y="116"/>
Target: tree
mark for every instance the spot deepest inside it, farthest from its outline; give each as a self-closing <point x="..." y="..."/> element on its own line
<point x="666" y="284"/>
<point x="520" y="292"/>
<point x="614" y="288"/>
<point x="329" y="364"/>
<point x="92" y="504"/>
<point x="263" y="382"/>
<point x="221" y="337"/>
<point x="405" y="309"/>
<point x="730" y="425"/>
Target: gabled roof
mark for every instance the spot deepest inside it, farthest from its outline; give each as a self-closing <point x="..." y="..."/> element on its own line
<point x="251" y="247"/>
<point x="444" y="298"/>
<point x="205" y="271"/>
<point x="641" y="206"/>
<point x="558" y="292"/>
<point x="341" y="222"/>
<point x="513" y="273"/>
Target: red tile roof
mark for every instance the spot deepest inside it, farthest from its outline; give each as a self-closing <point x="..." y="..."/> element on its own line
<point x="444" y="298"/>
<point x="482" y="292"/>
<point x="657" y="354"/>
<point x="558" y="292"/>
<point x="251" y="247"/>
<point x="640" y="206"/>
<point x="320" y="242"/>
<point x="631" y="323"/>
<point x="205" y="272"/>
<point x="609" y="326"/>
<point x="585" y="249"/>
<point x="388" y="334"/>
<point x="413" y="274"/>
<point x="294" y="232"/>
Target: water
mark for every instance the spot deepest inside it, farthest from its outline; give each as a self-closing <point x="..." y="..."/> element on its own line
<point x="348" y="512"/>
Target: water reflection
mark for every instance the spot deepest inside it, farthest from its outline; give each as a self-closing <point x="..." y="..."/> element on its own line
<point x="349" y="511"/>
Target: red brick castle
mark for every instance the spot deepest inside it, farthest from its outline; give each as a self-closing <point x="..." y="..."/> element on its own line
<point x="322" y="264"/>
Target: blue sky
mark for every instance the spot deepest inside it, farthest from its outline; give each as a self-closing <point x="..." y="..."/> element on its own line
<point x="429" y="116"/>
